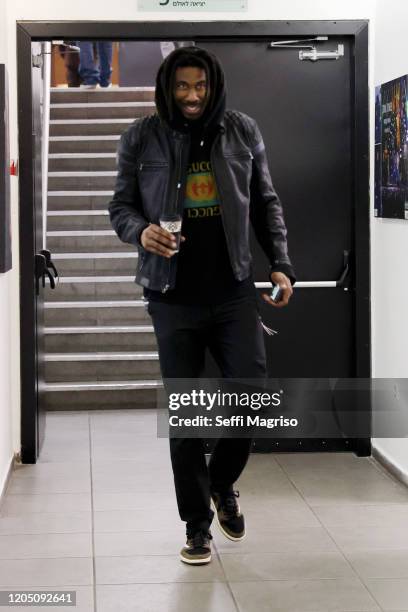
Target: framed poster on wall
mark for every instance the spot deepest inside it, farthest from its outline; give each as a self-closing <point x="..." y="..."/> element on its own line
<point x="5" y="221"/>
<point x="391" y="149"/>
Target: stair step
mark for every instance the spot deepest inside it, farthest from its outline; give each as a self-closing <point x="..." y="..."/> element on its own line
<point x="59" y="181"/>
<point x="81" y="156"/>
<point x="78" y="200"/>
<point x="93" y="279"/>
<point x="114" y="93"/>
<point x="103" y="255"/>
<point x="66" y="233"/>
<point x="76" y="264"/>
<point x="101" y="366"/>
<point x="74" y="213"/>
<point x="104" y="386"/>
<point x="118" y="356"/>
<point x="91" y="287"/>
<point x="84" y="144"/>
<point x="62" y="162"/>
<point x="86" y="241"/>
<point x="71" y="339"/>
<point x="58" y="220"/>
<point x="143" y="397"/>
<point x="101" y="110"/>
<point x="113" y="329"/>
<point x="100" y="104"/>
<point x="88" y="127"/>
<point x="96" y="312"/>
<point x="97" y="304"/>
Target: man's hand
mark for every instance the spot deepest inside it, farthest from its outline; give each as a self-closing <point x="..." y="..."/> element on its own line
<point x="159" y="241"/>
<point x="279" y="278"/>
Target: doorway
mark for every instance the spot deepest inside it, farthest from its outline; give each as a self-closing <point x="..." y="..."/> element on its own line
<point x="324" y="189"/>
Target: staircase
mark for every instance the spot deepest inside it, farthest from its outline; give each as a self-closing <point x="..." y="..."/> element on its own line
<point x="100" y="348"/>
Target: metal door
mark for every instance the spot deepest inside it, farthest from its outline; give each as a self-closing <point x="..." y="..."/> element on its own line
<point x="305" y="112"/>
<point x="36" y="266"/>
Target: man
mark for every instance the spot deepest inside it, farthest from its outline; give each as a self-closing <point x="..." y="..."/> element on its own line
<point x="90" y="72"/>
<point x="209" y="164"/>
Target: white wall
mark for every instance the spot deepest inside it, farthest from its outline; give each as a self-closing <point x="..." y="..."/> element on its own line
<point x="6" y="414"/>
<point x="390" y="237"/>
<point x="124" y="10"/>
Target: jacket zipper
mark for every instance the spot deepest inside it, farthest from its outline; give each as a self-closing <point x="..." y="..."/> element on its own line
<point x="220" y="196"/>
<point x="178" y="189"/>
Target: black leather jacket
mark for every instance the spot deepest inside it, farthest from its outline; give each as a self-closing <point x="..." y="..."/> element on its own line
<point x="152" y="170"/>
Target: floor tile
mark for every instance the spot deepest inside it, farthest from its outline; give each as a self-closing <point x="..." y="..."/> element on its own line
<point x="104" y="451"/>
<point x="320" y="487"/>
<point x="140" y="481"/>
<point x="56" y="422"/>
<point x="84" y="598"/>
<point x="178" y="597"/>
<point x="132" y="543"/>
<point x="129" y="467"/>
<point x="76" y="483"/>
<point x="48" y="572"/>
<point x="22" y="505"/>
<point x="255" y="496"/>
<point x="45" y="545"/>
<point x="379" y="563"/>
<point x="263" y="463"/>
<point x="391" y="594"/>
<point x="55" y="452"/>
<point x="362" y="515"/>
<point x="155" y="569"/>
<point x="325" y="461"/>
<point x="136" y="520"/>
<point x="278" y="514"/>
<point x="46" y="523"/>
<point x="326" y="531"/>
<point x="342" y="595"/>
<point x="63" y="470"/>
<point x="386" y="536"/>
<point x="284" y="566"/>
<point x="280" y="539"/>
<point x="139" y="423"/>
<point x="130" y="500"/>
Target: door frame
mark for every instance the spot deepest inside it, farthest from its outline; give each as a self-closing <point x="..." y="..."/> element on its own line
<point x="30" y="31"/>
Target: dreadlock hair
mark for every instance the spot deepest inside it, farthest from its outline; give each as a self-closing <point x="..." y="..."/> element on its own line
<point x="183" y="58"/>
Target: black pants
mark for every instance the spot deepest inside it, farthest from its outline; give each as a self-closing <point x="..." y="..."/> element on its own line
<point x="233" y="334"/>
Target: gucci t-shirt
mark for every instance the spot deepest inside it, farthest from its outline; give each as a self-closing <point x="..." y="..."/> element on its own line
<point x="204" y="273"/>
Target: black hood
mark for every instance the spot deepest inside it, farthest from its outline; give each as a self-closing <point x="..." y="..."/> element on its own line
<point x="166" y="107"/>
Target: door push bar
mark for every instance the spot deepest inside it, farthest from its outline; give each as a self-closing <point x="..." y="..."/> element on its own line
<point x="340" y="283"/>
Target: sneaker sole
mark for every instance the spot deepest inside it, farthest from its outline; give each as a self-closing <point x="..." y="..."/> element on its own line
<point x="227" y="535"/>
<point x="195" y="561"/>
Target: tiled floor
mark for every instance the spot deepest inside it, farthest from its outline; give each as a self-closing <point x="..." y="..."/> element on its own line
<point x="97" y="514"/>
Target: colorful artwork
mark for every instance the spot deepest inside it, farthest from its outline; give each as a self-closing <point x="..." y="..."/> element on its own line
<point x="391" y="149"/>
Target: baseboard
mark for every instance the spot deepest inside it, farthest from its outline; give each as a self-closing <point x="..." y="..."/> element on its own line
<point x="389" y="466"/>
<point x="6" y="483"/>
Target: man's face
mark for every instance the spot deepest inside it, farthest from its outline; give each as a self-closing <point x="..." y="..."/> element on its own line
<point x="191" y="91"/>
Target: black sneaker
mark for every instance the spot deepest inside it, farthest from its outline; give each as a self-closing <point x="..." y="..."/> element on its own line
<point x="230" y="520"/>
<point x="197" y="550"/>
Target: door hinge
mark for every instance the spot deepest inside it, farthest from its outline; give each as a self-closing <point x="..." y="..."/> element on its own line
<point x="308" y="52"/>
<point x="37" y="60"/>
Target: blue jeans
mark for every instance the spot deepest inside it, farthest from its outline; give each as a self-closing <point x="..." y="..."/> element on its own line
<point x="89" y="71"/>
